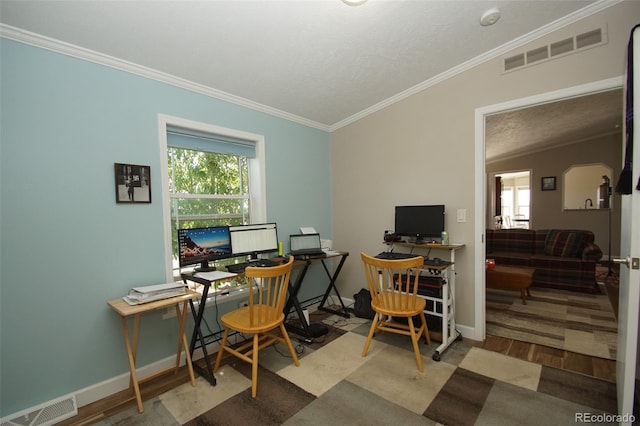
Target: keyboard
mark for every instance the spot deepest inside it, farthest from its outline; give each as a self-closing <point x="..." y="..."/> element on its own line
<point x="394" y="256"/>
<point x="239" y="268"/>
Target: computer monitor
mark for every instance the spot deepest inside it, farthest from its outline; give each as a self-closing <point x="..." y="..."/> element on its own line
<point x="202" y="245"/>
<point x="251" y="240"/>
<point x="420" y="221"/>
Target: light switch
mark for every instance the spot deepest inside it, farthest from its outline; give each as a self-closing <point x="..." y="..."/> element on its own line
<point x="462" y="215"/>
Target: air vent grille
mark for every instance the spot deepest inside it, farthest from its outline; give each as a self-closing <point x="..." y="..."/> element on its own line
<point x="46" y="414"/>
<point x="559" y="48"/>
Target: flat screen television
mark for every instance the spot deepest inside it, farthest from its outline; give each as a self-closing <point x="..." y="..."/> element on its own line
<point x="203" y="245"/>
<point x="420" y="222"/>
<point x="252" y="240"/>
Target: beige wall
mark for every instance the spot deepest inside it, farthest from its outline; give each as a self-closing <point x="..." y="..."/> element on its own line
<point x="421" y="149"/>
<point x="546" y="206"/>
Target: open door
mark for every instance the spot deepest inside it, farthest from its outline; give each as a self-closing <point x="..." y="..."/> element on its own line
<point x="629" y="300"/>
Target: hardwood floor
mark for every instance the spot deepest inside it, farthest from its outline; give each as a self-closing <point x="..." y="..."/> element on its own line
<point x="596" y="367"/>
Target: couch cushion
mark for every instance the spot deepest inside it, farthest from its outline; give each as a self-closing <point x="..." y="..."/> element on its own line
<point x="516" y="241"/>
<point x="564" y="243"/>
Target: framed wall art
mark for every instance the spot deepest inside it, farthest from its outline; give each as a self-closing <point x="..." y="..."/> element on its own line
<point x="549" y="183"/>
<point x="133" y="183"/>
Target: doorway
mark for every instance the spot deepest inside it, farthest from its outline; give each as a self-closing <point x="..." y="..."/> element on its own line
<point x="501" y="201"/>
<point x="481" y="178"/>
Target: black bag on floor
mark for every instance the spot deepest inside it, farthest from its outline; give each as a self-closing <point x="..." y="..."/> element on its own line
<point x="362" y="305"/>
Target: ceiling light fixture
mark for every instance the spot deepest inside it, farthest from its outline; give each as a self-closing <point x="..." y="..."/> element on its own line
<point x="354" y="2"/>
<point x="490" y="17"/>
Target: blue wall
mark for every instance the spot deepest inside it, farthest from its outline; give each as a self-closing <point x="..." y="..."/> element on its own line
<point x="67" y="247"/>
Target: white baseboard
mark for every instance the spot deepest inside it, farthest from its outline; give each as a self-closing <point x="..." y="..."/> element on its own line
<point x="119" y="383"/>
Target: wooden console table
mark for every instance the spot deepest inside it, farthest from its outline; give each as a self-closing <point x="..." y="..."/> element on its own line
<point x="125" y="310"/>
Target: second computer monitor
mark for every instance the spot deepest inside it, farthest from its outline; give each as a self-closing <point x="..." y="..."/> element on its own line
<point x="251" y="240"/>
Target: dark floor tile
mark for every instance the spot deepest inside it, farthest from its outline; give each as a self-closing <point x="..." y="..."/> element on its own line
<point x="276" y="401"/>
<point x="461" y="399"/>
<point x="578" y="388"/>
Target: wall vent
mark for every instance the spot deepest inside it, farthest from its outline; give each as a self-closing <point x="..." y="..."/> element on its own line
<point x="557" y="49"/>
<point x="536" y="55"/>
<point x="589" y="39"/>
<point x="46" y="414"/>
<point x="560" y="47"/>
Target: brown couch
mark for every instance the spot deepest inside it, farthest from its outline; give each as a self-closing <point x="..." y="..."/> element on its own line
<point x="563" y="258"/>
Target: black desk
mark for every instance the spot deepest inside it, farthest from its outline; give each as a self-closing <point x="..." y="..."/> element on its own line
<point x="294" y="288"/>
<point x="197" y="338"/>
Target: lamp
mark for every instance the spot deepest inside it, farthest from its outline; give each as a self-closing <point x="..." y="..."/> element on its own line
<point x="354" y="2"/>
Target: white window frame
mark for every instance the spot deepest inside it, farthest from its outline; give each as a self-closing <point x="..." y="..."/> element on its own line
<point x="257" y="175"/>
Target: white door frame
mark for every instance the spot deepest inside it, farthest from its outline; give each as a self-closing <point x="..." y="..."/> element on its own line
<point x="481" y="177"/>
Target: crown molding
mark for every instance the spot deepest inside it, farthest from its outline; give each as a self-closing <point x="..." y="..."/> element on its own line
<point x="68" y="49"/>
<point x="37" y="40"/>
<point x="576" y="16"/>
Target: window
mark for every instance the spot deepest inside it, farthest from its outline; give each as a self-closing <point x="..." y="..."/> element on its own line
<point x="507" y="201"/>
<point x="211" y="176"/>
<point x="522" y="202"/>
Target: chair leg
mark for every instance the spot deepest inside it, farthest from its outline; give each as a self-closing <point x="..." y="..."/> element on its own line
<point x="372" y="330"/>
<point x="426" y="328"/>
<point x="254" y="365"/>
<point x="285" y="335"/>
<point x="414" y="342"/>
<point x="223" y="343"/>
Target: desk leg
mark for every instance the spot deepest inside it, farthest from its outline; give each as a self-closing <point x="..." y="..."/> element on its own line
<point x="332" y="285"/>
<point x="131" y="354"/>
<point x="182" y="341"/>
<point x="197" y="335"/>
<point x="293" y="302"/>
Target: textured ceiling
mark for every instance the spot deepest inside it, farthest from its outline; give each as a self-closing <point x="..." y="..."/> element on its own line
<point x="553" y="124"/>
<point x="318" y="62"/>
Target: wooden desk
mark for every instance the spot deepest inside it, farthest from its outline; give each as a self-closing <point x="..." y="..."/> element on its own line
<point x="125" y="310"/>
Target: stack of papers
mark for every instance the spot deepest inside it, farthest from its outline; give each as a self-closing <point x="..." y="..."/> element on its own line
<point x="149" y="293"/>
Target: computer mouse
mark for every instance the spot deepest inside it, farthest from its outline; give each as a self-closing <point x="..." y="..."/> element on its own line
<point x="437" y="260"/>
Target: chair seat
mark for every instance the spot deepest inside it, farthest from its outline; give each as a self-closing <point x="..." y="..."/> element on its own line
<point x="240" y="319"/>
<point x="393" y="285"/>
<point x="412" y="305"/>
<point x="263" y="318"/>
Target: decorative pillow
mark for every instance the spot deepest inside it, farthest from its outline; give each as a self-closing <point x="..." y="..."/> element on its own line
<point x="563" y="243"/>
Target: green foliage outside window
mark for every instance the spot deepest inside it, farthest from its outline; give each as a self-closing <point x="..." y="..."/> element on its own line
<point x="206" y="189"/>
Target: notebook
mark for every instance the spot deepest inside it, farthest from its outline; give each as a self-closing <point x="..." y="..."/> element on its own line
<point x="305" y="245"/>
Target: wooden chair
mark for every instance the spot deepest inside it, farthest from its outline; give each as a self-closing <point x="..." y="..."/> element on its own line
<point x="267" y="295"/>
<point x="393" y="285"/>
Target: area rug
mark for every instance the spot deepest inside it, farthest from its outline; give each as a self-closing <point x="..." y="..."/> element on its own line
<point x="576" y="322"/>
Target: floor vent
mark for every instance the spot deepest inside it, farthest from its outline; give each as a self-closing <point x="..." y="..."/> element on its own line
<point x="560" y="48"/>
<point x="47" y="414"/>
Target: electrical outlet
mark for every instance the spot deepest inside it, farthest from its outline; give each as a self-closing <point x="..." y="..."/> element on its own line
<point x="243" y="304"/>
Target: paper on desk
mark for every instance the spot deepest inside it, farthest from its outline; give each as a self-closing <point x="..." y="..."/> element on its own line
<point x="149" y="293"/>
<point x="215" y="275"/>
<point x="331" y="252"/>
<point x="308" y="230"/>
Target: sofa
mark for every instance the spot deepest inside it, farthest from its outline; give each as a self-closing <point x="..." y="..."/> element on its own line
<point x="563" y="259"/>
